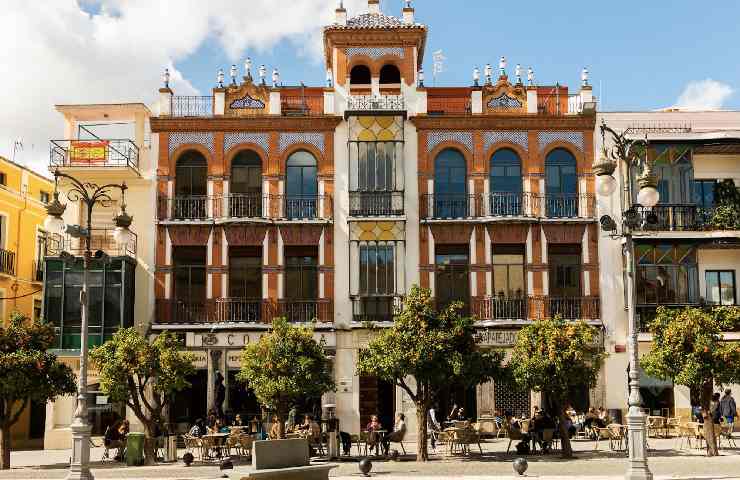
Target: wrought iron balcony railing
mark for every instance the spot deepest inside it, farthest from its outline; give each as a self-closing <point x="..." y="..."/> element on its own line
<point x="239" y="310"/>
<point x="500" y="308"/>
<point x="375" y="204"/>
<point x="375" y="103"/>
<point x="95" y="153"/>
<point x="674" y="217"/>
<point x="7" y="262"/>
<point x="235" y="206"/>
<point x="302" y="105"/>
<point x="506" y="204"/>
<point x="101" y="239"/>
<point x="191" y="106"/>
<point x="569" y="308"/>
<point x="375" y="308"/>
<point x="306" y="311"/>
<point x="569" y="205"/>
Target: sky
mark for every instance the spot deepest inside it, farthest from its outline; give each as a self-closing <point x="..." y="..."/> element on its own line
<point x="641" y="54"/>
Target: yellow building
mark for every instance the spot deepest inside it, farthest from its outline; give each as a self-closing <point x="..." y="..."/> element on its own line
<point x="23" y="198"/>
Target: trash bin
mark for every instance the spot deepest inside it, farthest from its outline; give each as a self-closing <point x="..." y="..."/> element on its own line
<point x="135" y="449"/>
<point x="170" y="451"/>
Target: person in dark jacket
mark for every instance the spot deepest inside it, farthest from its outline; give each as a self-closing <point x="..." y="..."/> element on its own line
<point x="728" y="408"/>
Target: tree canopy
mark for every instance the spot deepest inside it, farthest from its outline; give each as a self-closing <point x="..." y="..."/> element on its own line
<point x="436" y="348"/>
<point x="28" y="372"/>
<point x="688" y="348"/>
<point x="286" y="365"/>
<point x="143" y="375"/>
<point x="554" y="356"/>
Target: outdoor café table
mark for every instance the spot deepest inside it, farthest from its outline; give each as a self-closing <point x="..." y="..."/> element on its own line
<point x="379" y="434"/>
<point x="657" y="424"/>
<point x="219" y="441"/>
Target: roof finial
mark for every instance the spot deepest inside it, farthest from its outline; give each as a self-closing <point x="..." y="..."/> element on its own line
<point x="373" y="6"/>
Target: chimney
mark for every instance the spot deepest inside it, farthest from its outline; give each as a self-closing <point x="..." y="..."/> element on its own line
<point x="408" y="13"/>
<point x="373" y="6"/>
<point x="341" y="15"/>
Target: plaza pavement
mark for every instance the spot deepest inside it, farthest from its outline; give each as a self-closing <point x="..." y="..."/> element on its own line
<point x="666" y="462"/>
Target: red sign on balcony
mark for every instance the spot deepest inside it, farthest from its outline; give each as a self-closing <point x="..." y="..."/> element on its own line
<point x="88" y="152"/>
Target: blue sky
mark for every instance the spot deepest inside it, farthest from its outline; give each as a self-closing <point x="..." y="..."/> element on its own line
<point x="641" y="54"/>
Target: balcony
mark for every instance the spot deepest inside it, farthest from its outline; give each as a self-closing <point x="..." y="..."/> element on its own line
<point x="375" y="308"/>
<point x="300" y="106"/>
<point x="191" y="106"/>
<point x="101" y="239"/>
<point x="219" y="310"/>
<point x="306" y="311"/>
<point x="557" y="101"/>
<point x="98" y="153"/>
<point x="390" y="103"/>
<point x="198" y="208"/>
<point x="674" y="218"/>
<point x="7" y="262"/>
<point x="502" y="204"/>
<point x="375" y="204"/>
<point x="535" y="308"/>
<point x="37" y="274"/>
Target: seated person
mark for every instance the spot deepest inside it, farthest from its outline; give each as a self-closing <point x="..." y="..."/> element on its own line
<point x="113" y="439"/>
<point x="275" y="430"/>
<point x="453" y="413"/>
<point x="461" y="415"/>
<point x="372" y="435"/>
<point x="399" y="431"/>
<point x="238" y="422"/>
<point x="198" y="429"/>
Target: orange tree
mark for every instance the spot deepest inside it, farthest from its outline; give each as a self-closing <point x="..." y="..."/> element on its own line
<point x="554" y="356"/>
<point x="688" y="348"/>
<point x="286" y="365"/>
<point x="27" y="373"/>
<point x="144" y="375"/>
<point x="426" y="350"/>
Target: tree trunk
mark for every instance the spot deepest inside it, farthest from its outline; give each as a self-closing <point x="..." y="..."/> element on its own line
<point x="422" y="454"/>
<point x="150" y="443"/>
<point x="706" y="400"/>
<point x="5" y="446"/>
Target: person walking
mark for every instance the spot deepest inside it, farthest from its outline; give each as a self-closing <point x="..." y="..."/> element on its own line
<point x="433" y="427"/>
<point x="728" y="409"/>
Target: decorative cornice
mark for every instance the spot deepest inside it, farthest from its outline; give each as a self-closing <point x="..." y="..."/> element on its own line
<point x="265" y="123"/>
<point x="505" y="122"/>
<point x="374" y="52"/>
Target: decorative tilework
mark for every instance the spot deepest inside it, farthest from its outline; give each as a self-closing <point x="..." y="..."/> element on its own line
<point x="507" y="399"/>
<point x="182" y="138"/>
<point x="504" y="102"/>
<point x="288" y="139"/>
<point x="435" y="138"/>
<point x="546" y="138"/>
<point x="374" y="53"/>
<point x="261" y="139"/>
<point x="518" y="138"/>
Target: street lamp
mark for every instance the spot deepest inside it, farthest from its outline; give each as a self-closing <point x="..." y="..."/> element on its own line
<point x="629" y="152"/>
<point x="90" y="195"/>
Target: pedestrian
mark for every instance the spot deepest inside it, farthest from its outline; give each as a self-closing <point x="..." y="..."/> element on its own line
<point x="728" y="409"/>
<point x="433" y="427"/>
<point x="714" y="411"/>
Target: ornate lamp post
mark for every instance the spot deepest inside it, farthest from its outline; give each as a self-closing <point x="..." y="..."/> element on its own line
<point x="90" y="195"/>
<point x="629" y="152"/>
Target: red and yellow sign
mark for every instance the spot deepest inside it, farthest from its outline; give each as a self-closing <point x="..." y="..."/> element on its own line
<point x="88" y="152"/>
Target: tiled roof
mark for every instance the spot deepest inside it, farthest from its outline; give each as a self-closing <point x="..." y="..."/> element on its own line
<point x="374" y="20"/>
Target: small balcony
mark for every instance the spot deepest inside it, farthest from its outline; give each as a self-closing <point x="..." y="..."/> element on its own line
<point x="440" y="206"/>
<point x="383" y="103"/>
<point x="241" y="310"/>
<point x="91" y="154"/>
<point x="100" y="239"/>
<point x="674" y="218"/>
<point x="302" y="105"/>
<point x="375" y="204"/>
<point x="7" y="262"/>
<point x="199" y="208"/>
<point x="522" y="308"/>
<point x="569" y="205"/>
<point x="500" y="308"/>
<point x="306" y="311"/>
<point x="375" y="308"/>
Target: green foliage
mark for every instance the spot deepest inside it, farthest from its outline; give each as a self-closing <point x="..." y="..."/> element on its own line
<point x="437" y="348"/>
<point x="554" y="356"/>
<point x="726" y="215"/>
<point x="285" y="365"/>
<point x="27" y="373"/>
<point x="27" y="370"/>
<point x="688" y="346"/>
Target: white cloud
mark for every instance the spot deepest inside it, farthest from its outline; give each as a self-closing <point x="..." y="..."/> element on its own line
<point x="705" y="94"/>
<point x="55" y="52"/>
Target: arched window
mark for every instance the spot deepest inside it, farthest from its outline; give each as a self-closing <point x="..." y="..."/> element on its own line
<point x="191" y="186"/>
<point x="450" y="180"/>
<point x="561" y="184"/>
<point x="360" y="75"/>
<point x="246" y="185"/>
<point x="301" y="185"/>
<point x="390" y="74"/>
<point x="505" y="183"/>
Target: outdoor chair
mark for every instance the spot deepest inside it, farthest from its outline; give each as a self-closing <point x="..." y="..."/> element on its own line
<point x="513" y="435"/>
<point x="601" y="434"/>
<point x="685" y="434"/>
<point x="400" y="440"/>
<point x="547" y="439"/>
<point x="727" y="429"/>
<point x="245" y="444"/>
<point x="233" y="443"/>
<point x="448" y="440"/>
<point x="616" y="436"/>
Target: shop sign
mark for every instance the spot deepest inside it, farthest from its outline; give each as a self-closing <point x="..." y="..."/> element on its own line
<point x="200" y="360"/>
<point x="88" y="152"/>
<point x="240" y="339"/>
<point x="234" y="358"/>
<point x="496" y="338"/>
